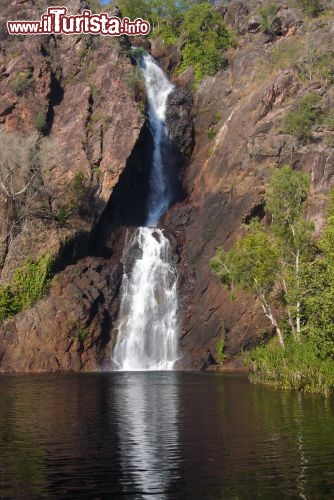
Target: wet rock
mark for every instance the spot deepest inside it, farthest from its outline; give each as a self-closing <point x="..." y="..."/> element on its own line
<point x="169" y="57"/>
<point x="179" y="120"/>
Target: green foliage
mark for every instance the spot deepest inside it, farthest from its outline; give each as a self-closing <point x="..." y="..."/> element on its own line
<point x="310" y="7"/>
<point x="198" y="27"/>
<point x="285" y="200"/>
<point x="83" y="333"/>
<point x="137" y="52"/>
<point x="78" y="194"/>
<point x="41" y="121"/>
<point x="30" y="282"/>
<point x="135" y="82"/>
<point x="63" y="214"/>
<point x="281" y="267"/>
<point x="267" y="15"/>
<point x="296" y="367"/>
<point x="165" y="16"/>
<point x="77" y="199"/>
<point x="316" y="65"/>
<point x="8" y="307"/>
<point x="211" y="132"/>
<point x="318" y="279"/>
<point x="205" y="37"/>
<point x="329" y="120"/>
<point x="251" y="264"/>
<point x="22" y="82"/>
<point x="220" y="351"/>
<point x="133" y="10"/>
<point x="300" y="121"/>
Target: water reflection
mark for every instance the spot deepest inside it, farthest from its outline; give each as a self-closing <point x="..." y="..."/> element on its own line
<point x="147" y="408"/>
<point x="164" y="436"/>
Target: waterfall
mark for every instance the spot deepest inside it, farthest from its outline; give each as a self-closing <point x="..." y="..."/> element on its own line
<point x="147" y="336"/>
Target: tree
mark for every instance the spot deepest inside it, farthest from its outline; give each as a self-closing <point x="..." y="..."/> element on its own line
<point x="252" y="265"/>
<point x="204" y="37"/>
<point x="318" y="288"/>
<point x="268" y="262"/>
<point x="20" y="182"/>
<point x="285" y="201"/>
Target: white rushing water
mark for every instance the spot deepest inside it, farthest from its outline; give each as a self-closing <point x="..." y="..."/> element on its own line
<point x="147" y="326"/>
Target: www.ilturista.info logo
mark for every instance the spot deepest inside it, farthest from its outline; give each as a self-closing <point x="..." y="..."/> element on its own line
<point x="57" y="22"/>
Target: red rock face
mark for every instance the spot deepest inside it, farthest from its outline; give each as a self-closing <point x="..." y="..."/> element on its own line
<point x="69" y="99"/>
<point x="240" y="138"/>
<point x="69" y="122"/>
<point x="70" y="329"/>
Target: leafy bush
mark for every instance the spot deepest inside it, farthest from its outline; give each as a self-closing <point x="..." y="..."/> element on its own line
<point x="211" y="132"/>
<point x="21" y="83"/>
<point x="7" y="303"/>
<point x="135" y="82"/>
<point x="296" y="367"/>
<point x="205" y="37"/>
<point x="63" y="213"/>
<point x="220" y="354"/>
<point x="77" y="199"/>
<point x="79" y="194"/>
<point x="41" y="121"/>
<point x="83" y="333"/>
<point x="30" y="282"/>
<point x="310" y="7"/>
<point x="300" y="121"/>
<point x="267" y="14"/>
<point x="137" y="52"/>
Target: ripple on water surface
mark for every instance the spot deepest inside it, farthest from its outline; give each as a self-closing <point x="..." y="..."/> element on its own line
<point x="162" y="435"/>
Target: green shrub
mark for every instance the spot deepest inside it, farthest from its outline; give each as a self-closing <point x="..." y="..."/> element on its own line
<point x="7" y="303"/>
<point x="310" y="7"/>
<point x="220" y="354"/>
<point x="41" y="123"/>
<point x="205" y="37"/>
<point x="78" y="193"/>
<point x="22" y="82"/>
<point x="63" y="214"/>
<point x="267" y="15"/>
<point x="83" y="333"/>
<point x="296" y="367"/>
<point x="30" y="282"/>
<point x="329" y="120"/>
<point x="136" y="85"/>
<point x="137" y="52"/>
<point x="300" y="121"/>
<point x="211" y="132"/>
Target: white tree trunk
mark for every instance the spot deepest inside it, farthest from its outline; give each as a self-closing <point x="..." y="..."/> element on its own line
<point x="268" y="312"/>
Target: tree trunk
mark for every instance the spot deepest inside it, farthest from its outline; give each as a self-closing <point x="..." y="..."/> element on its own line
<point x="268" y="312"/>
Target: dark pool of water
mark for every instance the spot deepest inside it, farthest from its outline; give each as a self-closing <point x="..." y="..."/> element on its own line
<point x="162" y="436"/>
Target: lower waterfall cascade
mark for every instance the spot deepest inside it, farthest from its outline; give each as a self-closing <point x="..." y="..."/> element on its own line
<point x="147" y="328"/>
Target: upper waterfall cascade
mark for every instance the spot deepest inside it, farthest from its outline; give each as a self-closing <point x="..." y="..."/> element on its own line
<point x="147" y="325"/>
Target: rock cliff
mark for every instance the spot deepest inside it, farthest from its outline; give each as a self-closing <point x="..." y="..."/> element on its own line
<point x="75" y="142"/>
<point x="240" y="138"/>
<point x="69" y="121"/>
